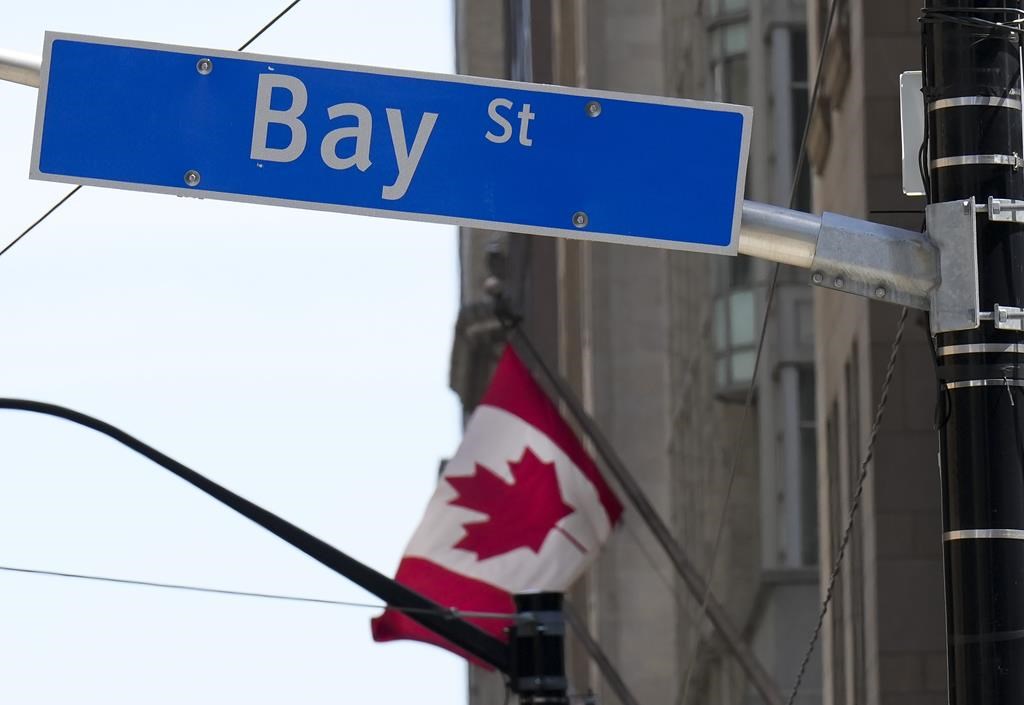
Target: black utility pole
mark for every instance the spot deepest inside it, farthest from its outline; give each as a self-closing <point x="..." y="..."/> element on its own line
<point x="537" y="650"/>
<point x="973" y="105"/>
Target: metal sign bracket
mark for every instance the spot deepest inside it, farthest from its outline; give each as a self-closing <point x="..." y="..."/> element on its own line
<point x="955" y="299"/>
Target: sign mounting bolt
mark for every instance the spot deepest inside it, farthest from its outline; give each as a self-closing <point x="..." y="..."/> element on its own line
<point x="204" y="66"/>
<point x="580" y="219"/>
<point x="593" y="108"/>
<point x="880" y="292"/>
<point x="838" y="282"/>
<point x="817" y="277"/>
<point x="192" y="178"/>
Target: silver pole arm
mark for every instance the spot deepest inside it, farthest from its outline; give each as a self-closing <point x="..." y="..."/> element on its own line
<point x="778" y="234"/>
<point x="19" y="68"/>
<point x="845" y="254"/>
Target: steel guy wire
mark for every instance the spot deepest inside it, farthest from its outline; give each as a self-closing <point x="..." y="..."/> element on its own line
<point x="448" y="612"/>
<point x="854" y="504"/>
<point x="78" y="188"/>
<point x="769" y="299"/>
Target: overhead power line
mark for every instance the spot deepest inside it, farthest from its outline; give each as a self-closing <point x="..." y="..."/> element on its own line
<point x="448" y="612"/>
<point x="78" y="188"/>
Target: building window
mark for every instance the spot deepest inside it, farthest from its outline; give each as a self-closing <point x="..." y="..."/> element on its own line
<point x="729" y="65"/>
<point x="800" y="98"/>
<point x="735" y="326"/>
<point x="836" y="520"/>
<point x="808" y="469"/>
<point x="855" y="574"/>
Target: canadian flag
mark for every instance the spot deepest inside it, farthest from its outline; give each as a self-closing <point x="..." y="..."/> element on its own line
<point x="521" y="506"/>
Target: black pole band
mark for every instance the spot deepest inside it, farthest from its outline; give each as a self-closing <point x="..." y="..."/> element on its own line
<point x="974" y="149"/>
<point x="537" y="645"/>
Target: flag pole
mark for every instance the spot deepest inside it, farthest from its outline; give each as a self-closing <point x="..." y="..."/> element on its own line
<point x="597" y="655"/>
<point x="759" y="677"/>
<point x="437" y="618"/>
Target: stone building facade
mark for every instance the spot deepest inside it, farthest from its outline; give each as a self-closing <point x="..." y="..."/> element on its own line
<point x="661" y="346"/>
<point x="884" y="642"/>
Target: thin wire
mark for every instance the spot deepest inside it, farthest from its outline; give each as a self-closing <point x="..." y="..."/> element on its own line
<point x="268" y="25"/>
<point x="744" y="422"/>
<point x="452" y="612"/>
<point x="78" y="188"/>
<point x="41" y="218"/>
<point x="854" y="504"/>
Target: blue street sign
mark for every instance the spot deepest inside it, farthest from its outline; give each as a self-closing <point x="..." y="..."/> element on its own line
<point x="494" y="154"/>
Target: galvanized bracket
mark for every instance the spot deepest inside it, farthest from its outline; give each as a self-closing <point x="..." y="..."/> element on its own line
<point x="874" y="260"/>
<point x="954" y="300"/>
<point x="1005" y="210"/>
<point x="1006" y="318"/>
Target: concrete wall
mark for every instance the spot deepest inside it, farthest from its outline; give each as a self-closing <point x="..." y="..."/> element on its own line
<point x="898" y="570"/>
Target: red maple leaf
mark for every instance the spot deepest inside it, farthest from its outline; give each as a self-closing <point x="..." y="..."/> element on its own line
<point x="521" y="514"/>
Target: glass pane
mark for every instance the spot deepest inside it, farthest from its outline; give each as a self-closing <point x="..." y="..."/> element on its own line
<point x="734" y="79"/>
<point x="742" y="364"/>
<point x="808" y="497"/>
<point x="798" y="52"/>
<point x="741" y="318"/>
<point x="806" y="382"/>
<point x="734" y="36"/>
<point x="720" y="327"/>
<point x="721" y="373"/>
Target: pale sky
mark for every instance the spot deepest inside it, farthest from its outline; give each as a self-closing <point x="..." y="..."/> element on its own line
<point x="300" y="358"/>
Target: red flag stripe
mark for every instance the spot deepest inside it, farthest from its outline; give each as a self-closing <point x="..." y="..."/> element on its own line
<point x="445" y="588"/>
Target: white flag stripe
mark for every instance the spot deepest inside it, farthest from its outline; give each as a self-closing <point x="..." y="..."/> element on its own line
<point x="494" y="438"/>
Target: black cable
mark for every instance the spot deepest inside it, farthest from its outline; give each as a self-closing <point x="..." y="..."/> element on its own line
<point x="463" y="634"/>
<point x="268" y="25"/>
<point x="854" y="504"/>
<point x="41" y="218"/>
<point x="76" y="189"/>
<point x="450" y="613"/>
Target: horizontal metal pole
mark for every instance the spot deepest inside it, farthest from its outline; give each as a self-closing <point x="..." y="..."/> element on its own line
<point x="778" y="234"/>
<point x="19" y="68"/>
<point x="847" y="254"/>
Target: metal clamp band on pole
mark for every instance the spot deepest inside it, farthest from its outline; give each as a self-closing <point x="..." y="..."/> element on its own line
<point x="1012" y="160"/>
<point x="968" y="383"/>
<point x="760" y="679"/>
<point x="979" y="348"/>
<point x="962" y="534"/>
<point x="17" y="67"/>
<point x="975" y="100"/>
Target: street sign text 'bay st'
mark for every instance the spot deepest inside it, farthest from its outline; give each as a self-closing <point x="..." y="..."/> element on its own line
<point x="487" y="153"/>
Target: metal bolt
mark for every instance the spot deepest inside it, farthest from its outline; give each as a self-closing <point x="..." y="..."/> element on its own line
<point x="192" y="178"/>
<point x="817" y="277"/>
<point x="838" y="283"/>
<point x="880" y="292"/>
<point x="580" y="219"/>
<point x="967" y="207"/>
<point x="593" y="108"/>
<point x="204" y="66"/>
